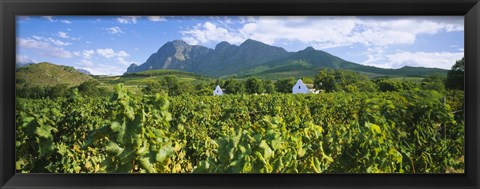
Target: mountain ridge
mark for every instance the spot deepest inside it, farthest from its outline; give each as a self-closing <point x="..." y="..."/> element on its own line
<point x="254" y="57"/>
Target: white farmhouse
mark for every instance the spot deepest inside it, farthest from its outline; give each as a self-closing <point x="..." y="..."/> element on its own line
<point x="217" y="91"/>
<point x="302" y="88"/>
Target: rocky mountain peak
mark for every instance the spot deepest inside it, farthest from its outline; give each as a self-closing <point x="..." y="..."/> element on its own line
<point x="222" y="45"/>
<point x="179" y="42"/>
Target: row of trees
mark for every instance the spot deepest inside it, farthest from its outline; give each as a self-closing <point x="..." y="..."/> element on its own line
<point x="327" y="80"/>
<point x="342" y="80"/>
<point x="88" y="88"/>
<point x="348" y="81"/>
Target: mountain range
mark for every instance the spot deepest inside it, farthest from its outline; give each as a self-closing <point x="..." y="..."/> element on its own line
<point x="254" y="58"/>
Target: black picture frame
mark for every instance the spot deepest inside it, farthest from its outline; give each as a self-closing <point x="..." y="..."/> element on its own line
<point x="11" y="8"/>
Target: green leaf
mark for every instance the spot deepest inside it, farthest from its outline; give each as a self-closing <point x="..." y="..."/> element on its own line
<point x="164" y="153"/>
<point x="301" y="152"/>
<point x="143" y="149"/>
<point x="113" y="148"/>
<point x="375" y="128"/>
<point x="45" y="147"/>
<point x="116" y="126"/>
<point x="147" y="165"/>
<point x="267" y="151"/>
<point x="44" y="131"/>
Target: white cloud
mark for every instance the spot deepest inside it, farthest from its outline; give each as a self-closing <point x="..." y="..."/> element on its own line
<point x="58" y="42"/>
<point x="107" y="53"/>
<point x="323" y="32"/>
<point x="209" y="32"/>
<point x="66" y="21"/>
<point x="128" y="19"/>
<point x="375" y="55"/>
<point x="32" y="43"/>
<point x="425" y="59"/>
<point x="101" y="69"/>
<point x="114" y="30"/>
<point x="44" y="48"/>
<point x="63" y="35"/>
<point x="122" y="61"/>
<point x="442" y="59"/>
<point x="110" y="53"/>
<point x="49" y="18"/>
<point x="38" y="39"/>
<point x="157" y="18"/>
<point x="122" y="54"/>
<point x="392" y="31"/>
<point x="88" y="53"/>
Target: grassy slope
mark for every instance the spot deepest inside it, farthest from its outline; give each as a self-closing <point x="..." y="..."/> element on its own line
<point x="47" y="74"/>
<point x="136" y="81"/>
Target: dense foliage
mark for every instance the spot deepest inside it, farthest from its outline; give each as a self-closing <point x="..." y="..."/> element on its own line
<point x="456" y="76"/>
<point x="408" y="131"/>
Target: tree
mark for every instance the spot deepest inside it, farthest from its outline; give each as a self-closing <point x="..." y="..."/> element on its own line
<point x="307" y="80"/>
<point x="385" y="85"/>
<point x="455" y="77"/>
<point x="203" y="89"/>
<point x="60" y="90"/>
<point x="90" y="88"/>
<point x="152" y="88"/>
<point x="325" y="80"/>
<point x="269" y="86"/>
<point x="254" y="86"/>
<point x="233" y="86"/>
<point x="343" y="80"/>
<point x="434" y="82"/>
<point x="285" y="85"/>
<point x="170" y="85"/>
<point x="173" y="87"/>
<point x="366" y="86"/>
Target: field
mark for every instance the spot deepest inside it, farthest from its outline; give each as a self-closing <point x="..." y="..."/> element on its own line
<point x="413" y="131"/>
<point x="239" y="94"/>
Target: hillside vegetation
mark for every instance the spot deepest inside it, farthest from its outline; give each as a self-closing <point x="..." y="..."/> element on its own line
<point x="48" y="74"/>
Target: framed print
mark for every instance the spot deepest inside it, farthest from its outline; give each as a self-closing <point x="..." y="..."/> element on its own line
<point x="271" y="94"/>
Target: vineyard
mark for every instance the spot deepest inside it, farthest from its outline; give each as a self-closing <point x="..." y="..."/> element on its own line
<point x="414" y="131"/>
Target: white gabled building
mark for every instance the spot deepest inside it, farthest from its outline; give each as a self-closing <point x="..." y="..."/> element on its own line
<point x="217" y="91"/>
<point x="301" y="88"/>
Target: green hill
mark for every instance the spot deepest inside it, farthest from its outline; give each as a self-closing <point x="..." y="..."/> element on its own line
<point x="135" y="81"/>
<point x="151" y="73"/>
<point x="48" y="74"/>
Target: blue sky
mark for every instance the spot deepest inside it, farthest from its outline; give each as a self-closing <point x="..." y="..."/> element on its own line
<point x="107" y="45"/>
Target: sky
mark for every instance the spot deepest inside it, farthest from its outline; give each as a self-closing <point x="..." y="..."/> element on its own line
<point x="107" y="45"/>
